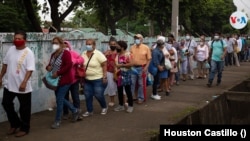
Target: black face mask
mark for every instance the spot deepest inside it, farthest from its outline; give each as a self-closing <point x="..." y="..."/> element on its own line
<point x="118" y="49"/>
<point x="112" y="48"/>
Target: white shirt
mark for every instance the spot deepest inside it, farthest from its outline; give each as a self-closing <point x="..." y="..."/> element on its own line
<point x="191" y="45"/>
<point x="239" y="42"/>
<point x="16" y="72"/>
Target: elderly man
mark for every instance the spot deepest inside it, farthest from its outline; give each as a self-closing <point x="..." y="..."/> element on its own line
<point x="141" y="56"/>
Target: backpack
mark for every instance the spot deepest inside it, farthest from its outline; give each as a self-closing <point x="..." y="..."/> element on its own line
<point x="220" y="41"/>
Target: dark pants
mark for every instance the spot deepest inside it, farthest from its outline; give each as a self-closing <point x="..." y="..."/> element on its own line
<point x="128" y="93"/>
<point x="25" y="109"/>
<point x="74" y="91"/>
<point x="229" y="59"/>
<point x="156" y="82"/>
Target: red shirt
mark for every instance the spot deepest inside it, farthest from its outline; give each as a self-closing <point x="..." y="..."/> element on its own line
<point x="111" y="62"/>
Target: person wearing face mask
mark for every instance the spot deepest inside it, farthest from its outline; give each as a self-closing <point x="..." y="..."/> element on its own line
<point x="74" y="88"/>
<point x="60" y="64"/>
<point x="18" y="66"/>
<point x="110" y="54"/>
<point x="191" y="45"/>
<point x="201" y="56"/>
<point x="158" y="61"/>
<point x="217" y="53"/>
<point x="183" y="60"/>
<point x="122" y="62"/>
<point x="141" y="56"/>
<point x="96" y="77"/>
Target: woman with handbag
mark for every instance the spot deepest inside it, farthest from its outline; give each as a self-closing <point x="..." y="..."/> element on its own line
<point x="96" y="77"/>
<point x="158" y="61"/>
<point x="123" y="77"/>
<point x="77" y="60"/>
<point x="60" y="65"/>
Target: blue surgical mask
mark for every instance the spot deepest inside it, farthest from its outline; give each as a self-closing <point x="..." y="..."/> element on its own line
<point x="89" y="47"/>
<point x="137" y="41"/>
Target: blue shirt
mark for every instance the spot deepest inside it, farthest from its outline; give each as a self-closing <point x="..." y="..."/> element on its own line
<point x="157" y="57"/>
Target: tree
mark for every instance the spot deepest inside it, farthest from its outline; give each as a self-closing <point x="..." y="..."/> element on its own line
<point x="110" y="11"/>
<point x="56" y="15"/>
<point x="19" y="18"/>
<point x="32" y="15"/>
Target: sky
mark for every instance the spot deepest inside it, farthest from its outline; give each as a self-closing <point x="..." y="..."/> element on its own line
<point x="243" y="4"/>
<point x="47" y="17"/>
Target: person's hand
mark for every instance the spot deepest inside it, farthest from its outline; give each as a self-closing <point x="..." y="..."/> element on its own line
<point x="160" y="68"/>
<point x="54" y="75"/>
<point x="104" y="80"/>
<point x="49" y="68"/>
<point x="145" y="69"/>
<point x="222" y="57"/>
<point x="22" y="87"/>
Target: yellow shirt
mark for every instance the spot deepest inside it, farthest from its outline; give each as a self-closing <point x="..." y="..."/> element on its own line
<point x="140" y="54"/>
<point x="94" y="70"/>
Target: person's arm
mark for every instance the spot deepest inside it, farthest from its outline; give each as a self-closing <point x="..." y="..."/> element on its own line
<point x="149" y="57"/>
<point x="3" y="71"/>
<point x="25" y="80"/>
<point x="66" y="64"/>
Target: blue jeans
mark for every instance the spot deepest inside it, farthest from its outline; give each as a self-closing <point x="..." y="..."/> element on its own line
<point x="216" y="67"/>
<point x="74" y="91"/>
<point x="60" y="101"/>
<point x="137" y="78"/>
<point x="94" y="88"/>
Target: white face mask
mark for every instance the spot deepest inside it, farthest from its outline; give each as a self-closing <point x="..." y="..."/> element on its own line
<point x="216" y="37"/>
<point x="55" y="47"/>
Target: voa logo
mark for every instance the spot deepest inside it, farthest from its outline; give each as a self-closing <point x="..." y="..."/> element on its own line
<point x="238" y="20"/>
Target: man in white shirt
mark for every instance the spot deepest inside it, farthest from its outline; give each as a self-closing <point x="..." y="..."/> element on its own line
<point x="191" y="45"/>
<point x="18" y="65"/>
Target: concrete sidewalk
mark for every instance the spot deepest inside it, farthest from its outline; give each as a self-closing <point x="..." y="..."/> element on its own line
<point x="137" y="126"/>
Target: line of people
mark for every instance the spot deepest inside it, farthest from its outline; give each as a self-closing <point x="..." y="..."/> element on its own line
<point x="117" y="71"/>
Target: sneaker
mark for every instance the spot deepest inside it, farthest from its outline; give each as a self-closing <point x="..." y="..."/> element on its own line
<point x="55" y="125"/>
<point x="156" y="97"/>
<point x="119" y="108"/>
<point x="104" y="111"/>
<point x="75" y="116"/>
<point x="86" y="114"/>
<point x="130" y="109"/>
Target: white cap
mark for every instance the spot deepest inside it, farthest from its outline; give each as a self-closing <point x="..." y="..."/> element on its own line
<point x="161" y="38"/>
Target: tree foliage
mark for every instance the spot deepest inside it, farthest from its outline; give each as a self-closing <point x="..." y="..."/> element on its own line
<point x="19" y="18"/>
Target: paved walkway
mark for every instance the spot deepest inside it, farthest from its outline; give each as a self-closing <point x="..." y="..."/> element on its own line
<point x="136" y="126"/>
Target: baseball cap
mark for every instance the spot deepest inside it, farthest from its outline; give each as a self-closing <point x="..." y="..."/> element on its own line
<point x="138" y="36"/>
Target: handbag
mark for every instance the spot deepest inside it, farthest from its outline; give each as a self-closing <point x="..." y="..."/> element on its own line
<point x="81" y="73"/>
<point x="50" y="82"/>
<point x="152" y="69"/>
<point x="168" y="64"/>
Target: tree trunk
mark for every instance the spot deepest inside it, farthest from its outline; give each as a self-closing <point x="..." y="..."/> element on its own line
<point x="31" y="15"/>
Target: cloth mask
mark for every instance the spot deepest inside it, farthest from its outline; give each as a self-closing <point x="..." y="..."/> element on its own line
<point x="55" y="47"/>
<point x="19" y="43"/>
